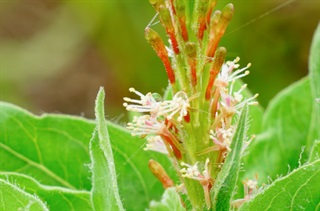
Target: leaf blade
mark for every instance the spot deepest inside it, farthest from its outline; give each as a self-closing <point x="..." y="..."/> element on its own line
<point x="288" y="193"/>
<point x="68" y="137"/>
<point x="105" y="193"/>
<point x="314" y="73"/>
<point x="68" y="199"/>
<point x="31" y="142"/>
<point x="284" y="123"/>
<point x="14" y="198"/>
<point x="227" y="178"/>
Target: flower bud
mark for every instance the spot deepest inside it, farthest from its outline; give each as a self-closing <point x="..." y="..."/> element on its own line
<point x="166" y="21"/>
<point x="218" y="26"/>
<point x="215" y="69"/>
<point x="202" y="8"/>
<point x="180" y="6"/>
<point x="225" y="19"/>
<point x="159" y="172"/>
<point x="191" y="51"/>
<point x="156" y="3"/>
<point x="212" y="4"/>
<point x="157" y="44"/>
<point x="213" y="41"/>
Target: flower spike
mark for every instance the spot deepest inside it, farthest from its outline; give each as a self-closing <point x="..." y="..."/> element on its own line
<point x="194" y="124"/>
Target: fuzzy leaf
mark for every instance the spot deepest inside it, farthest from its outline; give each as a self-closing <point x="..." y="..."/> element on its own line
<point x="170" y="201"/>
<point x="105" y="194"/>
<point x="315" y="151"/>
<point x="314" y="74"/>
<point x="63" y="143"/>
<point x="52" y="149"/>
<point x="68" y="199"/>
<point x="285" y="125"/>
<point x="227" y="178"/>
<point x="290" y="123"/>
<point x="299" y="190"/>
<point x="14" y="198"/>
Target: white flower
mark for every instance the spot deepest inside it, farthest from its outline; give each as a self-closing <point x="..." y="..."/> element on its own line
<point x="233" y="101"/>
<point x="252" y="184"/>
<point x="147" y="103"/>
<point x="222" y="137"/>
<point x="193" y="172"/>
<point x="155" y="143"/>
<point x="250" y="189"/>
<point x="179" y="104"/>
<point x="204" y="178"/>
<point x="169" y="108"/>
<point x="145" y="125"/>
<point x="226" y="75"/>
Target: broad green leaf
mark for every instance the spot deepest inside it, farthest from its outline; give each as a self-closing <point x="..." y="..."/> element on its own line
<point x="63" y="142"/>
<point x="285" y="125"/>
<point x="14" y="198"/>
<point x="56" y="198"/>
<point x="51" y="148"/>
<point x="169" y="201"/>
<point x="227" y="178"/>
<point x="105" y="194"/>
<point x="314" y="73"/>
<point x="315" y="151"/>
<point x="299" y="190"/>
<point x="290" y="125"/>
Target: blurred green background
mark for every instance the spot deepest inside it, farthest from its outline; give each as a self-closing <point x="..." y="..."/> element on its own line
<point x="54" y="55"/>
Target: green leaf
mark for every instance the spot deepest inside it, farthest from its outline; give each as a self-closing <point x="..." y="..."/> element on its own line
<point x="105" y="194"/>
<point x="314" y="64"/>
<point x="170" y="201"/>
<point x="315" y="151"/>
<point x="299" y="190"/>
<point x="227" y="178"/>
<point x="285" y="125"/>
<point x="68" y="199"/>
<point x="51" y="148"/>
<point x="290" y="126"/>
<point x="314" y="74"/>
<point x="14" y="198"/>
<point x="63" y="142"/>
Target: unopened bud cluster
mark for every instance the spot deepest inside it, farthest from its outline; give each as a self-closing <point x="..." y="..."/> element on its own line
<point x="196" y="126"/>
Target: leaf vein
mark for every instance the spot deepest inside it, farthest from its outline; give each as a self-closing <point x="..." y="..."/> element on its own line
<point x="38" y="166"/>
